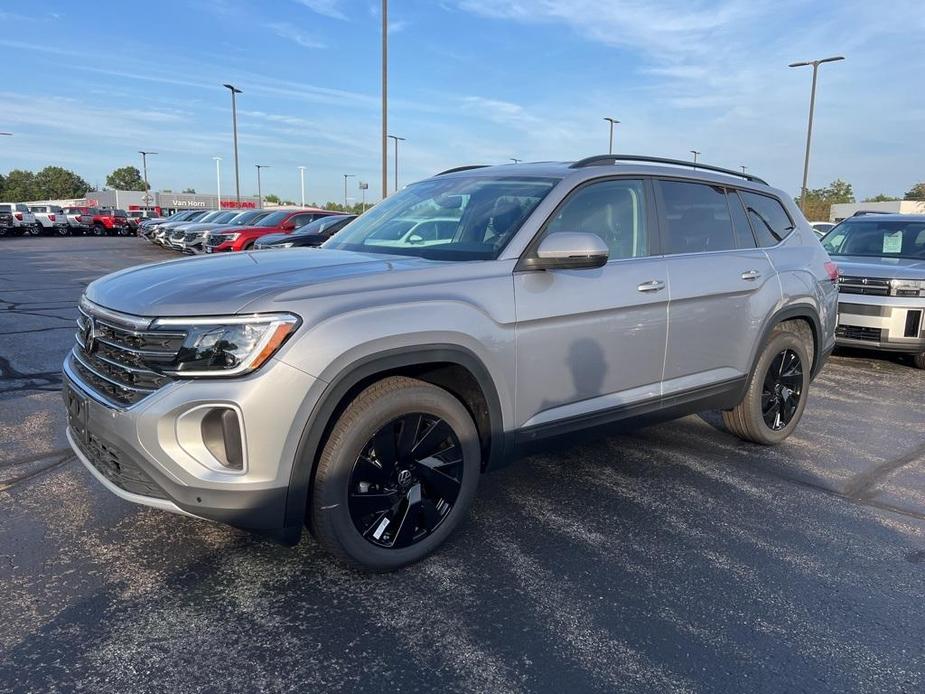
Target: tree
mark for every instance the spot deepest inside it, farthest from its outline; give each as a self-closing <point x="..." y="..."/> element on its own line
<point x="2" y="187"/>
<point x="54" y="183"/>
<point x="819" y="201"/>
<point x="881" y="197"/>
<point x="189" y="190"/>
<point x="271" y="198"/>
<point x="19" y="186"/>
<point x="126" y="178"/>
<point x="916" y="192"/>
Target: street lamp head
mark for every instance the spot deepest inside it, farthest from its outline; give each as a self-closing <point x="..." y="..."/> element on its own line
<point x="833" y="59"/>
<point x="217" y="158"/>
<point x="611" y="120"/>
<point x="234" y="90"/>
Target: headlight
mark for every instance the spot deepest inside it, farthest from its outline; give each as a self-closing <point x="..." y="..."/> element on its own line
<point x="230" y="345"/>
<point x="288" y="244"/>
<point x="228" y="237"/>
<point x="907" y="287"/>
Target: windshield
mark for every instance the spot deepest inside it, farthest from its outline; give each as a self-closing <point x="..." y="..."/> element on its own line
<point x="247" y="217"/>
<point x="210" y="217"/>
<point x="274" y="219"/>
<point x="877" y="239"/>
<point x="457" y="218"/>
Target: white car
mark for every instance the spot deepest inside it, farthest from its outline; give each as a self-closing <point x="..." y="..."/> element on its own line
<point x="51" y="219"/>
<point x="822" y="228"/>
<point x="23" y="220"/>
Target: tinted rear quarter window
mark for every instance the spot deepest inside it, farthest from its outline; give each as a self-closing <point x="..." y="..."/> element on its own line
<point x="696" y="217"/>
<point x="769" y="219"/>
<point x="744" y="236"/>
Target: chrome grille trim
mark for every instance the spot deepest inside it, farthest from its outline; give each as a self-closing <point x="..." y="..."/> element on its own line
<point x="871" y="286"/>
<point x="115" y="364"/>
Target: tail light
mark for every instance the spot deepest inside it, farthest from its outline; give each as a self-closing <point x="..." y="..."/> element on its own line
<point x="832" y="269"/>
<point x="19" y="216"/>
<point x="51" y="218"/>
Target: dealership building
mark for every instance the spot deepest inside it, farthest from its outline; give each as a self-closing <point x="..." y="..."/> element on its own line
<point x="160" y="202"/>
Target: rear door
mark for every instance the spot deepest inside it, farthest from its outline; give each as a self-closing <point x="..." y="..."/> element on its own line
<point x="593" y="340"/>
<point x="721" y="286"/>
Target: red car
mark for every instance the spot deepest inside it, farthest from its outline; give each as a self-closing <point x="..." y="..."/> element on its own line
<point x="281" y="221"/>
<point x="101" y="221"/>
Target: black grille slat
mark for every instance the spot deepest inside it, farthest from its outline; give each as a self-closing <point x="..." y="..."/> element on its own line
<point x="116" y="467"/>
<point x="871" y="286"/>
<point x="855" y="332"/>
<point x="122" y="363"/>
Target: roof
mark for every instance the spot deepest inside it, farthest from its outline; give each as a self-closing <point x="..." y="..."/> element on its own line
<point x="891" y="217"/>
<point x="609" y="164"/>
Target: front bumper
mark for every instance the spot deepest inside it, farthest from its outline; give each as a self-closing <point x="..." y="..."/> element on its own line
<point x="147" y="455"/>
<point x="887" y="323"/>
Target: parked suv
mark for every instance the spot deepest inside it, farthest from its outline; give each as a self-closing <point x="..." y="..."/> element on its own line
<point x="23" y="221"/>
<point x="78" y="219"/>
<point x="363" y="388"/>
<point x="243" y="238"/>
<point x="195" y="239"/>
<point x="311" y="234"/>
<point x="882" y="298"/>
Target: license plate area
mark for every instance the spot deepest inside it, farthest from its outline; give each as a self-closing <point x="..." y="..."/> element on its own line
<point x="76" y="405"/>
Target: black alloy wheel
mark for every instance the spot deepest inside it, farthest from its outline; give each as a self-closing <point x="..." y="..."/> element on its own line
<point x="405" y="481"/>
<point x="782" y="389"/>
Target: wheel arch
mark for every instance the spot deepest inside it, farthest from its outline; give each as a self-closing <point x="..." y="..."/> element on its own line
<point x="433" y="363"/>
<point x="805" y="312"/>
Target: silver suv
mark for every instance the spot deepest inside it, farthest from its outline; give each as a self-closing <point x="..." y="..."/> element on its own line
<point x="363" y="388"/>
<point x="882" y="262"/>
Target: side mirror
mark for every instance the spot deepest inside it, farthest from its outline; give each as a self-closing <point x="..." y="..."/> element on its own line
<point x="569" y="250"/>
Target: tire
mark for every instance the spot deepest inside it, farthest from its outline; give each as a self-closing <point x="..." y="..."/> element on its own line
<point x="99" y="230"/>
<point x="774" y="401"/>
<point x="63" y="231"/>
<point x="353" y="457"/>
<point x="34" y="230"/>
<point x="919" y="360"/>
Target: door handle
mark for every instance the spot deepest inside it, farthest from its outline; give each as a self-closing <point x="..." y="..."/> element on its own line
<point x="751" y="275"/>
<point x="651" y="286"/>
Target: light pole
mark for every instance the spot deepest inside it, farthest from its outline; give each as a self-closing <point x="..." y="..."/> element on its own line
<point x="144" y="168"/>
<point x="234" y="129"/>
<point x="218" y="182"/>
<point x="744" y="168"/>
<point x="809" y="129"/>
<point x="516" y="160"/>
<point x="385" y="100"/>
<point x="259" y="190"/>
<point x="696" y="154"/>
<point x="302" y="183"/>
<point x="346" y="176"/>
<point x="397" y="140"/>
<point x="363" y="188"/>
<point x="613" y="122"/>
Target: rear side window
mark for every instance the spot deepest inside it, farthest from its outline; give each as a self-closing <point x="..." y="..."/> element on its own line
<point x="614" y="210"/>
<point x="769" y="219"/>
<point x="21" y="208"/>
<point x="743" y="230"/>
<point x="6" y="208"/>
<point x="696" y="218"/>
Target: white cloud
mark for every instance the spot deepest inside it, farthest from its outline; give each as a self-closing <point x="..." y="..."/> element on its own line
<point x="328" y="8"/>
<point x="291" y="33"/>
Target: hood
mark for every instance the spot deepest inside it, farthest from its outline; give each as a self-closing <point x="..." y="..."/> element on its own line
<point x="882" y="268"/>
<point x="225" y="284"/>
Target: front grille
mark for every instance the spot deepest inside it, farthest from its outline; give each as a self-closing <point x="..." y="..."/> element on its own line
<point x="193" y="236"/>
<point x="854" y="332"/>
<point x="215" y="240"/>
<point x="115" y="466"/>
<point x="864" y="285"/>
<point x="117" y="359"/>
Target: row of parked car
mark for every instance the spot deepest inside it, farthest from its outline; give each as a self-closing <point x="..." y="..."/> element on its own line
<point x="20" y="219"/>
<point x="218" y="231"/>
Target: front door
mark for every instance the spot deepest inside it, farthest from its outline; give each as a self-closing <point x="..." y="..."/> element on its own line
<point x="593" y="339"/>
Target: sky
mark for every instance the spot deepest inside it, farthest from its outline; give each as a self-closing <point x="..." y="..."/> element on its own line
<point x="85" y="85"/>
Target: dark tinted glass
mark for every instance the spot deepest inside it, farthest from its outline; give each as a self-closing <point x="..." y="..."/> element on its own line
<point x="877" y="238"/>
<point x="744" y="236"/>
<point x="273" y="219"/>
<point x="770" y="221"/>
<point x="697" y="218"/>
<point x="613" y="210"/>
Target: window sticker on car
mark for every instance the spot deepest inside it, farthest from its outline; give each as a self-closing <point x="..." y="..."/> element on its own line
<point x="893" y="243"/>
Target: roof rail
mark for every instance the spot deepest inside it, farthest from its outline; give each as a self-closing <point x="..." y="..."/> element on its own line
<point x="863" y="213"/>
<point x="462" y="168"/>
<point x="601" y="159"/>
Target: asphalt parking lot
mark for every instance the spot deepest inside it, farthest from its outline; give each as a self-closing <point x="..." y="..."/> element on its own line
<point x="673" y="558"/>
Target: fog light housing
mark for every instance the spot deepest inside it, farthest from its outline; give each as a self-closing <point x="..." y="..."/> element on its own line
<point x="221" y="434"/>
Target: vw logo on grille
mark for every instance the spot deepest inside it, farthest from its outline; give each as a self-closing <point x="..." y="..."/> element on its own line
<point x="88" y="336"/>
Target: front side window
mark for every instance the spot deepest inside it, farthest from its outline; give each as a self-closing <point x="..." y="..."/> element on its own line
<point x="878" y="239"/>
<point x="769" y="219"/>
<point x="696" y="218"/>
<point x="453" y="218"/>
<point x="613" y="210"/>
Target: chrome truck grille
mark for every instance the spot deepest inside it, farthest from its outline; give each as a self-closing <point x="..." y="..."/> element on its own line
<point x="118" y="358"/>
<point x="873" y="286"/>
